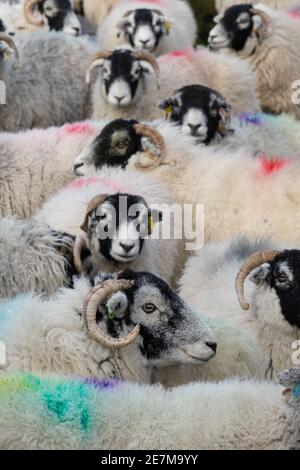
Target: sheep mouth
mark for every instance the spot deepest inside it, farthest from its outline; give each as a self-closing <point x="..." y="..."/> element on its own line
<point x="123" y="259"/>
<point x="197" y="358"/>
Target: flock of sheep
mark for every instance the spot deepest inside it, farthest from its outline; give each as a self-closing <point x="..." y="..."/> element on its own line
<point x="111" y="101"/>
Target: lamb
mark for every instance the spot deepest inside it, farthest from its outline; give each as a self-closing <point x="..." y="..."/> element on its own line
<point x="222" y="5"/>
<point x="125" y="87"/>
<point x="33" y="258"/>
<point x="206" y="116"/>
<point x="262" y="193"/>
<point x="109" y="219"/>
<point x="269" y="42"/>
<point x="273" y="320"/>
<point x="156" y="28"/>
<point x="66" y="413"/>
<point x="30" y="101"/>
<point x="33" y="15"/>
<point x="120" y="328"/>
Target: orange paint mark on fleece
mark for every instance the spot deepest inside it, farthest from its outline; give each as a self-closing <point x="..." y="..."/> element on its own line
<point x="271" y="166"/>
<point x="78" y="128"/>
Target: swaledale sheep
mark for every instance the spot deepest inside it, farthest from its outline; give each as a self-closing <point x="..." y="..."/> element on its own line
<point x="94" y="10"/>
<point x="46" y="85"/>
<point x="205" y="115"/>
<point x="102" y="211"/>
<point x="222" y="5"/>
<point x="33" y="258"/>
<point x="269" y="42"/>
<point x="33" y="15"/>
<point x="120" y="328"/>
<point x="35" y="164"/>
<point x="158" y="28"/>
<point x="273" y="319"/>
<point x="66" y="413"/>
<point x="241" y="193"/>
<point x="125" y="81"/>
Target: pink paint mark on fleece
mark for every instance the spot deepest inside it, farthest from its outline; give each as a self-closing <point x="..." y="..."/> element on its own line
<point x="270" y="166"/>
<point x="179" y="53"/>
<point x="114" y="186"/>
<point x="78" y="128"/>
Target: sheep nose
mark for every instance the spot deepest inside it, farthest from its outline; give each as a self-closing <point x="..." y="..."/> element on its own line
<point x="77" y="31"/>
<point x="194" y="128"/>
<point x="119" y="98"/>
<point x="212" y="345"/>
<point x="11" y="33"/>
<point x="144" y="42"/>
<point x="127" y="246"/>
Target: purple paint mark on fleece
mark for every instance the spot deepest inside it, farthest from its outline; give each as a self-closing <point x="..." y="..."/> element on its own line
<point x="251" y="119"/>
<point x="103" y="384"/>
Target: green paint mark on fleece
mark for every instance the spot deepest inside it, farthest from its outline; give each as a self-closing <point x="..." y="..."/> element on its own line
<point x="18" y="384"/>
<point x="69" y="402"/>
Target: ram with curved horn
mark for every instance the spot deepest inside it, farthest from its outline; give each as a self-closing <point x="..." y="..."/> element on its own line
<point x="120" y="142"/>
<point x="114" y="329"/>
<point x="53" y="15"/>
<point x="268" y="40"/>
<point x="215" y="281"/>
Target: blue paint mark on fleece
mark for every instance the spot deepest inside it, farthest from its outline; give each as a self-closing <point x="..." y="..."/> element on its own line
<point x="251" y="119"/>
<point x="296" y="391"/>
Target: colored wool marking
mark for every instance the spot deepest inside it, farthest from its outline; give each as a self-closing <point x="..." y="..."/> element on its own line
<point x="78" y="128"/>
<point x="272" y="166"/>
<point x="69" y="402"/>
<point x="114" y="186"/>
<point x="296" y="391"/>
<point x="102" y="384"/>
<point x="251" y="119"/>
<point x="18" y="384"/>
<point x="180" y="53"/>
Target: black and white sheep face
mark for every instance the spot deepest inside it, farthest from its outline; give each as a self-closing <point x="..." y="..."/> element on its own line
<point x="119" y="226"/>
<point x="170" y="332"/>
<point x="6" y="28"/>
<point x="123" y="77"/>
<point x="59" y="16"/>
<point x="143" y="28"/>
<point x="236" y="29"/>
<point x="281" y="278"/>
<point x="200" y="111"/>
<point x="114" y="146"/>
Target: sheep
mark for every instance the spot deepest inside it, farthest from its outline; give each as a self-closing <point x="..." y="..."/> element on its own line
<point x="106" y="214"/>
<point x="206" y="116"/>
<point x="240" y="192"/>
<point x="273" y="321"/>
<point x="33" y="258"/>
<point x="68" y="413"/>
<point x="94" y="10"/>
<point x="40" y="95"/>
<point x="269" y="42"/>
<point x="222" y="5"/>
<point x="125" y="87"/>
<point x="154" y="28"/>
<point x="34" y="15"/>
<point x="120" y="328"/>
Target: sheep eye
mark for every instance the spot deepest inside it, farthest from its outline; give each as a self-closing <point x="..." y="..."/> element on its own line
<point x="149" y="308"/>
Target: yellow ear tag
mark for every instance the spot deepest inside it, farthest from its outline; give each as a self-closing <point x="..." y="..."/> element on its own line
<point x="167" y="26"/>
<point x="168" y="111"/>
<point x="151" y="223"/>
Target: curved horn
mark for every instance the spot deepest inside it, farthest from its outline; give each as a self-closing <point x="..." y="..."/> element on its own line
<point x="96" y="58"/>
<point x="144" y="55"/>
<point x="10" y="43"/>
<point x="79" y="244"/>
<point x="251" y="263"/>
<point x="96" y="296"/>
<point x="157" y="139"/>
<point x="266" y="20"/>
<point x="29" y="6"/>
<point x="93" y="204"/>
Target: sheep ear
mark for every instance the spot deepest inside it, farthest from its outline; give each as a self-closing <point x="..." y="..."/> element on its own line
<point x="121" y="25"/>
<point x="224" y="113"/>
<point x="218" y="18"/>
<point x="167" y="106"/>
<point x="167" y="25"/>
<point x="257" y="23"/>
<point x="154" y="216"/>
<point x="260" y="274"/>
<point x="147" y="67"/>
